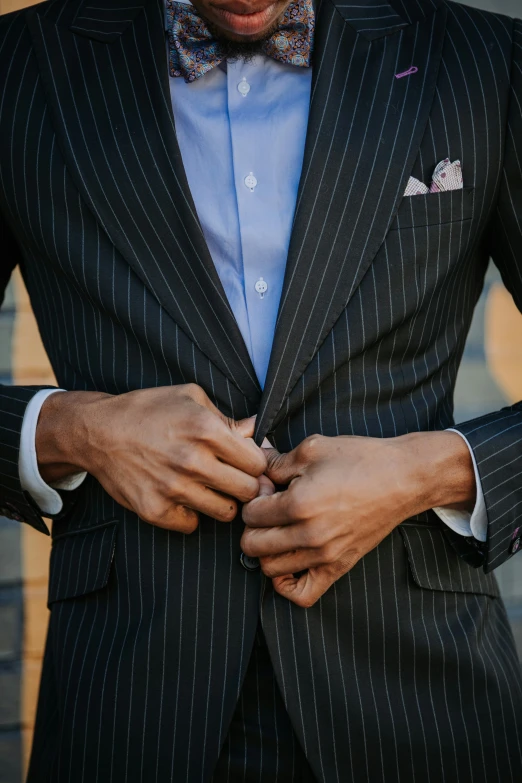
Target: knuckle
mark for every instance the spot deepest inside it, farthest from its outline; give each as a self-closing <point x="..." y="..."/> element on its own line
<point x="248" y="544"/>
<point x="210" y="428"/>
<point x="250" y="491"/>
<point x="175" y="490"/>
<point x="305" y="601"/>
<point x="153" y="510"/>
<point x="308" y="447"/>
<point x="188" y="523"/>
<point x="246" y="514"/>
<point x="329" y="553"/>
<point x="201" y="424"/>
<point x="194" y="391"/>
<point x="260" y="462"/>
<point x="297" y="508"/>
<point x="266" y="567"/>
<point x="190" y="461"/>
<point x="198" y="428"/>
<point x="166" y="514"/>
<point x="315" y="538"/>
<point x="253" y="460"/>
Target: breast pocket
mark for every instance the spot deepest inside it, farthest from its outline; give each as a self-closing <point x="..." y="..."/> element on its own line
<point x="434" y="209"/>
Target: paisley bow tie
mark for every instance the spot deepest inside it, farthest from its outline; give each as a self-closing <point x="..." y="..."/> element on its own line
<point x="193" y="51"/>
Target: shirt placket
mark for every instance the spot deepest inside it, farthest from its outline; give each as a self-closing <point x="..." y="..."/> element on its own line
<point x="248" y="145"/>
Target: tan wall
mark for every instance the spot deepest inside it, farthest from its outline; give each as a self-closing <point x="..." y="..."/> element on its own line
<point x="31" y="366"/>
<point x="13" y="5"/>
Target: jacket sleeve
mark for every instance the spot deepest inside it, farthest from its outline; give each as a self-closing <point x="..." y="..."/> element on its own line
<point x="15" y="503"/>
<point x="496" y="439"/>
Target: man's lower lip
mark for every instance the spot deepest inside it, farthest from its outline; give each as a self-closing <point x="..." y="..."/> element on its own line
<point x="245" y="24"/>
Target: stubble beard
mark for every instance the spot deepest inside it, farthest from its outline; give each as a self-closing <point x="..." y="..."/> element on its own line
<point x="241" y="50"/>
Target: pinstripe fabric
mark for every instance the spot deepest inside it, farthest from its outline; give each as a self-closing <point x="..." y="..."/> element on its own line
<point x="372" y="18"/>
<point x="336" y="237"/>
<point x="406" y="669"/>
<point x="105" y="22"/>
<point x="496" y="438"/>
<point x="261" y="743"/>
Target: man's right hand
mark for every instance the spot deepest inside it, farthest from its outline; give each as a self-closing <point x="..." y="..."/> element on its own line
<point x="165" y="453"/>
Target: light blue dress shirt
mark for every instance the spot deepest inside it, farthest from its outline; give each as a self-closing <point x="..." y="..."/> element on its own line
<point x="241" y="130"/>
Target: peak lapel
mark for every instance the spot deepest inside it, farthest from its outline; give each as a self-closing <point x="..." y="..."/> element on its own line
<point x="105" y="74"/>
<point x="364" y="130"/>
<point x="372" y="18"/>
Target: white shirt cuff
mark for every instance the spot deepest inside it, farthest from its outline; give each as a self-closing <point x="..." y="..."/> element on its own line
<point x="462" y="522"/>
<point x="45" y="497"/>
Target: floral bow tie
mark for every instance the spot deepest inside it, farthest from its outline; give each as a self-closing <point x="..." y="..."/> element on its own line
<point x="193" y="51"/>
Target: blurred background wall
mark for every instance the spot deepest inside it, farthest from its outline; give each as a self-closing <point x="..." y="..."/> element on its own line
<point x="490" y="377"/>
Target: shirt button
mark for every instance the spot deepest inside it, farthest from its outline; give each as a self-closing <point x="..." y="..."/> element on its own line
<point x="248" y="563"/>
<point x="250" y="182"/>
<point x="261" y="286"/>
<point x="243" y="87"/>
<point x="515" y="545"/>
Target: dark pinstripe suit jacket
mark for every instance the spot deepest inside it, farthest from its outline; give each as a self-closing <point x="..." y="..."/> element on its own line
<point x="405" y="670"/>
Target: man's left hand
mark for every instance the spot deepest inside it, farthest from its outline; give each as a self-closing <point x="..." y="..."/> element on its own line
<point x="344" y="495"/>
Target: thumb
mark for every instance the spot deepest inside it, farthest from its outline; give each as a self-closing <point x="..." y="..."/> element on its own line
<point x="266" y="487"/>
<point x="281" y="468"/>
<point x="244" y="427"/>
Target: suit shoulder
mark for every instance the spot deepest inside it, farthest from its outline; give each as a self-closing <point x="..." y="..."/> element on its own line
<point x="489" y="39"/>
<point x="14" y="33"/>
<point x="12" y="27"/>
<point x="471" y="18"/>
<point x="13" y="38"/>
<point x="18" y="17"/>
<point x="13" y="23"/>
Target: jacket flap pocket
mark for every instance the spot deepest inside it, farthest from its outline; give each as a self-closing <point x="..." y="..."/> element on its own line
<point x="435" y="565"/>
<point x="434" y="209"/>
<point x="81" y="561"/>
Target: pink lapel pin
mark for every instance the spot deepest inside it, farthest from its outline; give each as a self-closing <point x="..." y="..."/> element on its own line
<point x="409" y="72"/>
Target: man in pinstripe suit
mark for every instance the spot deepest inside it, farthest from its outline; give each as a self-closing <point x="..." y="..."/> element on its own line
<point x="234" y="244"/>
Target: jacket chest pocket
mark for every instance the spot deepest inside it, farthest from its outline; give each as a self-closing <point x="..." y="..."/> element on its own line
<point x="432" y="209"/>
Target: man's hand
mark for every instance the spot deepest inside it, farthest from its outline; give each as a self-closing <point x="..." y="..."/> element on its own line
<point x="344" y="495"/>
<point x="164" y="453"/>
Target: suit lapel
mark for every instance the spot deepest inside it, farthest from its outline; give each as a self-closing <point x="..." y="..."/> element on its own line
<point x="105" y="74"/>
<point x="365" y="127"/>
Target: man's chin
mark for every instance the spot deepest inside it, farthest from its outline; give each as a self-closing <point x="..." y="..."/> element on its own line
<point x="241" y="46"/>
<point x="239" y="39"/>
<point x="242" y="28"/>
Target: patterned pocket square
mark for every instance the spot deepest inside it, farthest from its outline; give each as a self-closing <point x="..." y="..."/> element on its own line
<point x="447" y="176"/>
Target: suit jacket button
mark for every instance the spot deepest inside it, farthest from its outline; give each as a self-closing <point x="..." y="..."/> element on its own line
<point x="249" y="563"/>
<point x="515" y="545"/>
